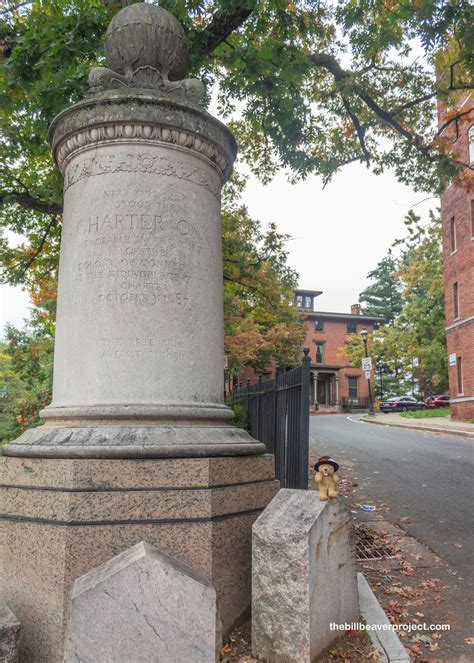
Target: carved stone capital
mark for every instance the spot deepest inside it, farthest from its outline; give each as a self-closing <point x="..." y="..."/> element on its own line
<point x="138" y="132"/>
<point x="122" y="118"/>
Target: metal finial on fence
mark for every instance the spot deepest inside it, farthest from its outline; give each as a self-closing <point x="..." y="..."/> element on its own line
<point x="306" y="351"/>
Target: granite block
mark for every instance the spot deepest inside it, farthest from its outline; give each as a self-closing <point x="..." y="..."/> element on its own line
<point x="303" y="576"/>
<point x="121" y="474"/>
<point x="9" y="634"/>
<point x="143" y="606"/>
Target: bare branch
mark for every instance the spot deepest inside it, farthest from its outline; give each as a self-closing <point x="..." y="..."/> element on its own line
<point x="359" y="129"/>
<point x="253" y="288"/>
<point x="24" y="199"/>
<point x="52" y="224"/>
<point x="224" y="24"/>
<point x="415" y="102"/>
<point x="330" y="63"/>
<point x="456" y="118"/>
<point x="12" y="9"/>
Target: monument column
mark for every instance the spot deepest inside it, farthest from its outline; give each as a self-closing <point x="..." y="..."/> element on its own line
<point x="137" y="443"/>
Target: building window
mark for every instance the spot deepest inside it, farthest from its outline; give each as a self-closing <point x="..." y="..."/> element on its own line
<point x="353" y="387"/>
<point x="318" y="325"/>
<point x="308" y="302"/>
<point x="459" y="370"/>
<point x="352" y="327"/>
<point x="456" y="300"/>
<point x="299" y="301"/>
<point x="471" y="145"/>
<point x="452" y="231"/>
<point x="319" y="352"/>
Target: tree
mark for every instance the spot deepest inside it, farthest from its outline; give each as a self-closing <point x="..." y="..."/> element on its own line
<point x="26" y="363"/>
<point x="260" y="325"/>
<point x="319" y="84"/>
<point x="411" y="350"/>
<point x="422" y="321"/>
<point x="383" y="296"/>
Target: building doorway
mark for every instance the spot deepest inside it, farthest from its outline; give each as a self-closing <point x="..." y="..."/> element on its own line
<point x="321" y="391"/>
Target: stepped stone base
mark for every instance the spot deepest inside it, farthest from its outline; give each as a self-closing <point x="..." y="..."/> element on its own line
<point x="60" y="518"/>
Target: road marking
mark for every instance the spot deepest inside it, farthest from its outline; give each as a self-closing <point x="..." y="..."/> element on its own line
<point x="355" y="421"/>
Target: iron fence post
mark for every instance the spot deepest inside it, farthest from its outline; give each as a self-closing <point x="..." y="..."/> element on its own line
<point x="304" y="421"/>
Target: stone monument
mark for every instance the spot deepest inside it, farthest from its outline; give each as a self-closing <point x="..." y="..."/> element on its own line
<point x="137" y="444"/>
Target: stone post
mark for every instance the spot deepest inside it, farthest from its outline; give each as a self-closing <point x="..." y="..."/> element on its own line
<point x="137" y="443"/>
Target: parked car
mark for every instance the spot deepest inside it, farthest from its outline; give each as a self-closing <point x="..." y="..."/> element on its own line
<point x="437" y="401"/>
<point x="401" y="404"/>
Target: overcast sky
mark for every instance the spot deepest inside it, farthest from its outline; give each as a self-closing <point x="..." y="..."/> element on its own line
<point x="340" y="232"/>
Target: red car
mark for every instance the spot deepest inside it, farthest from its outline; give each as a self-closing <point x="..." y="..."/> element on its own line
<point x="437" y="401"/>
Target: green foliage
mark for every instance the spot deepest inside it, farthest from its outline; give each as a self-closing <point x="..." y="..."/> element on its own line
<point x="410" y="351"/>
<point x="259" y="324"/>
<point x="26" y="361"/>
<point x="427" y="414"/>
<point x="383" y="297"/>
<point x="241" y="419"/>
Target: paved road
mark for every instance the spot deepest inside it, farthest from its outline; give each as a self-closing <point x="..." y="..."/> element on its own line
<point x="426" y="476"/>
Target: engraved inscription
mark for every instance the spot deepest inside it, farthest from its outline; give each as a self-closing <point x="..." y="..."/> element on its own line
<point x="101" y="164"/>
<point x="141" y="348"/>
<point x="152" y="257"/>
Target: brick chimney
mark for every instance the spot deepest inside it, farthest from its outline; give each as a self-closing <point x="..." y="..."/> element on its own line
<point x="355" y="309"/>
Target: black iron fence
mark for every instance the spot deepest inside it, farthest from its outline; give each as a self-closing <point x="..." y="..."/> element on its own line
<point x="278" y="415"/>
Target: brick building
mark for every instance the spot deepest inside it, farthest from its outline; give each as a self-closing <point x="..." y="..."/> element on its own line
<point x="457" y="215"/>
<point x="334" y="381"/>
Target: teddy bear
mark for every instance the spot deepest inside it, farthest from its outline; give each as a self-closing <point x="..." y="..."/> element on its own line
<point x="326" y="467"/>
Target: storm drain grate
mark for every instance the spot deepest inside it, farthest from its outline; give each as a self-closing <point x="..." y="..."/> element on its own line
<point x="370" y="545"/>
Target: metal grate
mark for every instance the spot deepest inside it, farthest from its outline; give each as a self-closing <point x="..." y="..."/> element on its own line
<point x="370" y="545"/>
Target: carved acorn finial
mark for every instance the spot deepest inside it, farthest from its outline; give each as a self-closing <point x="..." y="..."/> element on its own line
<point x="146" y="49"/>
<point x="143" y="35"/>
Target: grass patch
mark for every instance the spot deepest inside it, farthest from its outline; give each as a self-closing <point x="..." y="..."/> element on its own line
<point x="426" y="414"/>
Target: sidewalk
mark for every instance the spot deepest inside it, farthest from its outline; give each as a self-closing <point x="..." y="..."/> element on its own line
<point x="433" y="424"/>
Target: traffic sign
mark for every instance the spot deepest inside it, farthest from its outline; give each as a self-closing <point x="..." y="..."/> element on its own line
<point x="367" y="363"/>
<point x="367" y="374"/>
<point x="452" y="359"/>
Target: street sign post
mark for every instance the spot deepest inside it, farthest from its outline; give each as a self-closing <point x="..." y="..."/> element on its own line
<point x="367" y="364"/>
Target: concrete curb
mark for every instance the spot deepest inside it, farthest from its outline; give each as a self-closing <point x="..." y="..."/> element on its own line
<point x="430" y="429"/>
<point x="386" y="641"/>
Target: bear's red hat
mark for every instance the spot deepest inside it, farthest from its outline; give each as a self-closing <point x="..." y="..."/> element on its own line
<point x="326" y="460"/>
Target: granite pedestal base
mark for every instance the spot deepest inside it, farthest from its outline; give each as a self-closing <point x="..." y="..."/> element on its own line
<point x="62" y="517"/>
